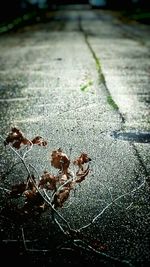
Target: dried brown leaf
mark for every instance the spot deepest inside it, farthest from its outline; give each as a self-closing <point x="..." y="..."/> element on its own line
<point x="61" y="196"/>
<point x="34" y="201"/>
<point x="17" y="190"/>
<point x="30" y="194"/>
<point x="81" y="175"/>
<point x="82" y="159"/>
<point x="48" y="181"/>
<point x="38" y="140"/>
<point x="63" y="178"/>
<point x="16" y="138"/>
<point x="60" y="160"/>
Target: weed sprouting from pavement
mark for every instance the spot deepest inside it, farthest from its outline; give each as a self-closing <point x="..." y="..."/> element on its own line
<point x="86" y="86"/>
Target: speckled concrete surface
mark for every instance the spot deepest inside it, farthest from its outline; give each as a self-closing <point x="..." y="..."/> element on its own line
<point x="55" y="80"/>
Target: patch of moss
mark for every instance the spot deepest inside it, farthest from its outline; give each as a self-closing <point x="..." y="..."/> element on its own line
<point x="111" y="102"/>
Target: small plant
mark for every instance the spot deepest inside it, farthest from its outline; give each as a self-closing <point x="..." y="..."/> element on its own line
<point x="48" y="192"/>
<point x="35" y="190"/>
<point x="86" y="86"/>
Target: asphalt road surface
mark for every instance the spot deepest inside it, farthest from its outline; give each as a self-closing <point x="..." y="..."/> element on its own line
<point x="80" y="79"/>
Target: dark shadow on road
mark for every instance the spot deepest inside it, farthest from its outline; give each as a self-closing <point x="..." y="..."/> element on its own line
<point x="137" y="137"/>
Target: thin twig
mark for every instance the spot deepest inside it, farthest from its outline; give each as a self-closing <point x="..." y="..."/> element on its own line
<point x="89" y="248"/>
<point x="5" y="189"/>
<point x="56" y="210"/>
<point x="129" y="206"/>
<point x="23" y="237"/>
<point x="28" y="249"/>
<point x="21" y="158"/>
<point x="25" y="153"/>
<point x="110" y="204"/>
<point x="60" y="227"/>
<point x="60" y="187"/>
<point x="27" y="168"/>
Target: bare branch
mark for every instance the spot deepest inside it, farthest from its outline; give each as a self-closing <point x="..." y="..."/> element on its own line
<point x="110" y="204"/>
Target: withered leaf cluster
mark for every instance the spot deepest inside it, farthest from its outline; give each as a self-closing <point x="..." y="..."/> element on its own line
<point x="33" y="200"/>
<point x="65" y="181"/>
<point x="16" y="138"/>
<point x="59" y="186"/>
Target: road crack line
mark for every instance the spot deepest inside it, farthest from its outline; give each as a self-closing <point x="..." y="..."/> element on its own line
<point x="100" y="72"/>
<point x="103" y="81"/>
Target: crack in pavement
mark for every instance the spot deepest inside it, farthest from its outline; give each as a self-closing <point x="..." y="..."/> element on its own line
<point x="103" y="81"/>
<point x="99" y="69"/>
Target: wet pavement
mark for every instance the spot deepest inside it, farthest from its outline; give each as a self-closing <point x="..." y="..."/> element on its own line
<point x="81" y="81"/>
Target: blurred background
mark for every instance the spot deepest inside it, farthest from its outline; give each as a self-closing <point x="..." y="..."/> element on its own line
<point x="21" y="11"/>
